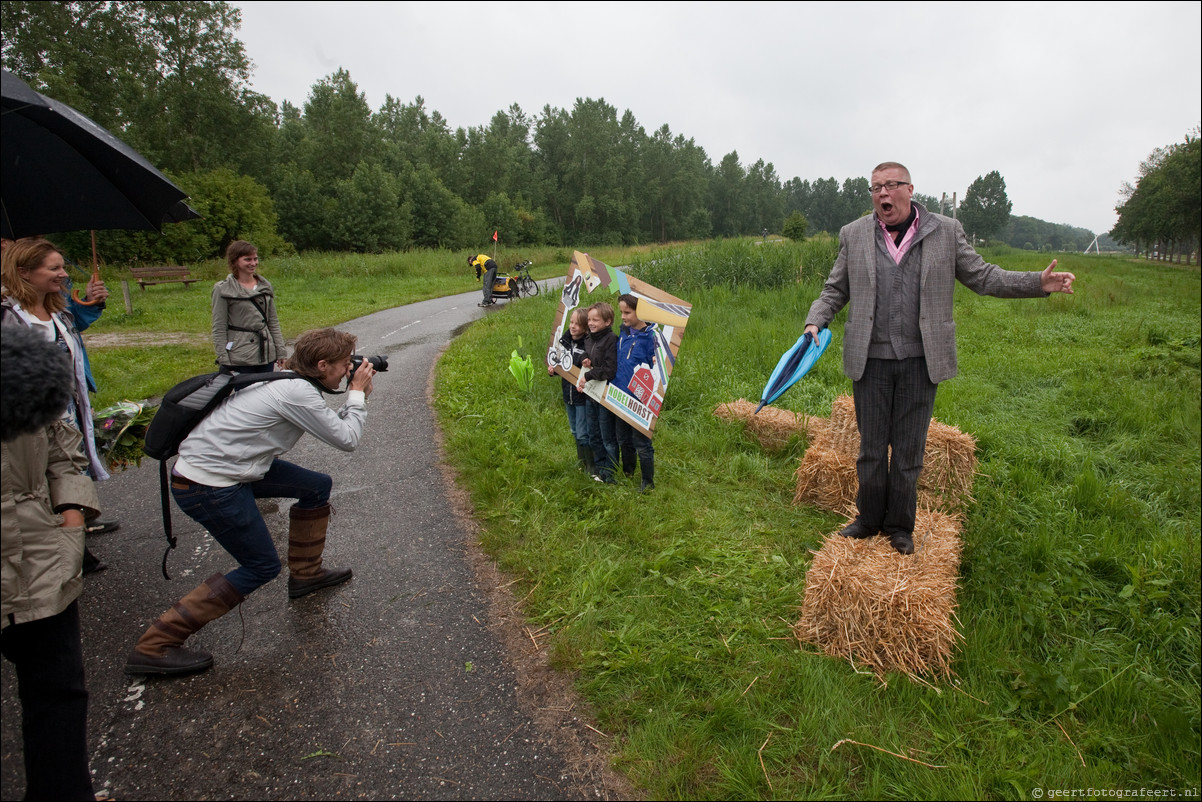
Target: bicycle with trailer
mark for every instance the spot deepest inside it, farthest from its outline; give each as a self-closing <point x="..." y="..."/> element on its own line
<point x="516" y="283"/>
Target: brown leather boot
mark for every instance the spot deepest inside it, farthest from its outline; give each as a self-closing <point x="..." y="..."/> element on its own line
<point x="306" y="542"/>
<point x="161" y="650"/>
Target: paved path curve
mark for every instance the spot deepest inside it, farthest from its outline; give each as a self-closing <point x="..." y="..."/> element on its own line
<point x="405" y="683"/>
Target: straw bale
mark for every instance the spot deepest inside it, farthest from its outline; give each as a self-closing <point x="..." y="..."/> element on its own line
<point x="868" y="604"/>
<point x="949" y="464"/>
<point x="817" y="429"/>
<point x="842" y="433"/>
<point x="826" y="478"/>
<point x="772" y="427"/>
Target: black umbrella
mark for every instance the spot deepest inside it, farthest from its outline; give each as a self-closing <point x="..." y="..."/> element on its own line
<point x="62" y="172"/>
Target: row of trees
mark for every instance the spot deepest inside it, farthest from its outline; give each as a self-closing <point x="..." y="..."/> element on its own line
<point x="172" y="79"/>
<point x="1033" y="234"/>
<point x="1162" y="214"/>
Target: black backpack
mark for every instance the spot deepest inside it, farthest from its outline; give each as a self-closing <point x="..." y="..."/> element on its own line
<point x="183" y="407"/>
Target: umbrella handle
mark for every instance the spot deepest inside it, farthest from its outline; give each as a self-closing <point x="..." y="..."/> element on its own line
<point x="75" y="296"/>
<point x="79" y="300"/>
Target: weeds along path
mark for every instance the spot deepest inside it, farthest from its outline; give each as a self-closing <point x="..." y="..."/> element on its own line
<point x="410" y="681"/>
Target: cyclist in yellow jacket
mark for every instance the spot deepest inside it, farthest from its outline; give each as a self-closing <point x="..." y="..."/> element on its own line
<point x="484" y="264"/>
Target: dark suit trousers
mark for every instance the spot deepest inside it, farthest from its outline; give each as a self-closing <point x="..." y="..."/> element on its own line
<point x="54" y="705"/>
<point x="894" y="401"/>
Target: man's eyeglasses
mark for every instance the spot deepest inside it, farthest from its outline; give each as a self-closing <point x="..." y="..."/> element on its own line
<point x="875" y="189"/>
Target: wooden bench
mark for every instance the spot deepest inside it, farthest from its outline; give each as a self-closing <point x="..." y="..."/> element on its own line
<point x="165" y="274"/>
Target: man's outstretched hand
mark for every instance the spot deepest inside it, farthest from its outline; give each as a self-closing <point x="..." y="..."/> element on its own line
<point x="1056" y="282"/>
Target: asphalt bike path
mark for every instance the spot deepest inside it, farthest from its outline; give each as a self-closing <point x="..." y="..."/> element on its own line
<point x="403" y="683"/>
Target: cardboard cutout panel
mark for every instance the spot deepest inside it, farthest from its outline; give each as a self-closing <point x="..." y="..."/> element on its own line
<point x="590" y="281"/>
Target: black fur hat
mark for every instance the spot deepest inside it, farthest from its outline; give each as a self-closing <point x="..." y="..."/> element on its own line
<point x="36" y="381"/>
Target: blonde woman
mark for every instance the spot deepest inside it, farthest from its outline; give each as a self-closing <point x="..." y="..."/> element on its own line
<point x="34" y="276"/>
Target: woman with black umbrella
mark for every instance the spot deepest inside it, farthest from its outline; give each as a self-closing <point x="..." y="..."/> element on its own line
<point x="34" y="277"/>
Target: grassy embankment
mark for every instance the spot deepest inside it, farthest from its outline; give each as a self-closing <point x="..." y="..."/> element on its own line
<point x="1080" y="581"/>
<point x="1079" y="599"/>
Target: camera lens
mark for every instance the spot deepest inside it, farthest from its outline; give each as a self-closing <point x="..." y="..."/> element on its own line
<point x="380" y="363"/>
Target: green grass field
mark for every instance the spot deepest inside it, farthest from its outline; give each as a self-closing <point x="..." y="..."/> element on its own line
<point x="1079" y="600"/>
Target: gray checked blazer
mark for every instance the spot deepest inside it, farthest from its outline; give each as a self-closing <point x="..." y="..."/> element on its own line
<point x="946" y="258"/>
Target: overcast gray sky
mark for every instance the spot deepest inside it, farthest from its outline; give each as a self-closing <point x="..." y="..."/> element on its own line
<point x="1064" y="99"/>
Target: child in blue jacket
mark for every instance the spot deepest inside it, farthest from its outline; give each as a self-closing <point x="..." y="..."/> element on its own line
<point x="636" y="346"/>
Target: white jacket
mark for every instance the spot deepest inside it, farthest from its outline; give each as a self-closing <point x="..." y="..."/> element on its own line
<point x="237" y="442"/>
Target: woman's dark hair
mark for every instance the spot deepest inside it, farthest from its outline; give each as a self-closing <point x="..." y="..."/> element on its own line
<point x="236" y="250"/>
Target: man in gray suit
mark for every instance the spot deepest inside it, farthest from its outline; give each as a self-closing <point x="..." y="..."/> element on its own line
<point x="899" y="268"/>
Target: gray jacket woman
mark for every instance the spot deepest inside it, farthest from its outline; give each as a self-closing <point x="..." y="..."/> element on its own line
<point x="246" y="330"/>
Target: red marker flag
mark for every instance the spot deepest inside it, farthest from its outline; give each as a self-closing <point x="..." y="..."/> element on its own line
<point x="494" y="236"/>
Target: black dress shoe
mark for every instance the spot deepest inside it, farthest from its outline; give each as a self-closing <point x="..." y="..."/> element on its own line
<point x="100" y="526"/>
<point x="91" y="563"/>
<point x="902" y="542"/>
<point x="859" y="530"/>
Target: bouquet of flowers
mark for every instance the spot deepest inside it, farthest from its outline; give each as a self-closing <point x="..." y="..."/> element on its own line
<point x="121" y="431"/>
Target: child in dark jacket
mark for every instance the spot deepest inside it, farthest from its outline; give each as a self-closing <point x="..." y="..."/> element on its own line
<point x="636" y="346"/>
<point x="600" y="364"/>
<point x="573" y="341"/>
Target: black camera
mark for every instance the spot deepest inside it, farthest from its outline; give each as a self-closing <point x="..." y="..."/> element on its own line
<point x="380" y="363"/>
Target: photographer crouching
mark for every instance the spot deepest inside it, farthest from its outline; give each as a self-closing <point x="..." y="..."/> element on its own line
<point x="232" y="458"/>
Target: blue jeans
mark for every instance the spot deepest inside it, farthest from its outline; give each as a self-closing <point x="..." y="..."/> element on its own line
<point x="631" y="439"/>
<point x="578" y="421"/>
<point x="230" y="515"/>
<point x="603" y="438"/>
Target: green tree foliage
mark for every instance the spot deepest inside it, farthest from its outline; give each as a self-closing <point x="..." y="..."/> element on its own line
<point x="305" y="211"/>
<point x="764" y="205"/>
<point x="825" y="205"/>
<point x="413" y="136"/>
<point x="1162" y="213"/>
<point x="727" y="196"/>
<point x="434" y="209"/>
<point x="985" y="209"/>
<point x="335" y="133"/>
<point x="1031" y="233"/>
<point x="171" y="78"/>
<point x="929" y="202"/>
<point x="231" y="206"/>
<point x="795" y="227"/>
<point x="88" y="55"/>
<point x="676" y="175"/>
<point x="370" y="215"/>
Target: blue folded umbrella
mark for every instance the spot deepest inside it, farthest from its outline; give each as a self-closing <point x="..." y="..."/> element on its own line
<point x="795" y="363"/>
